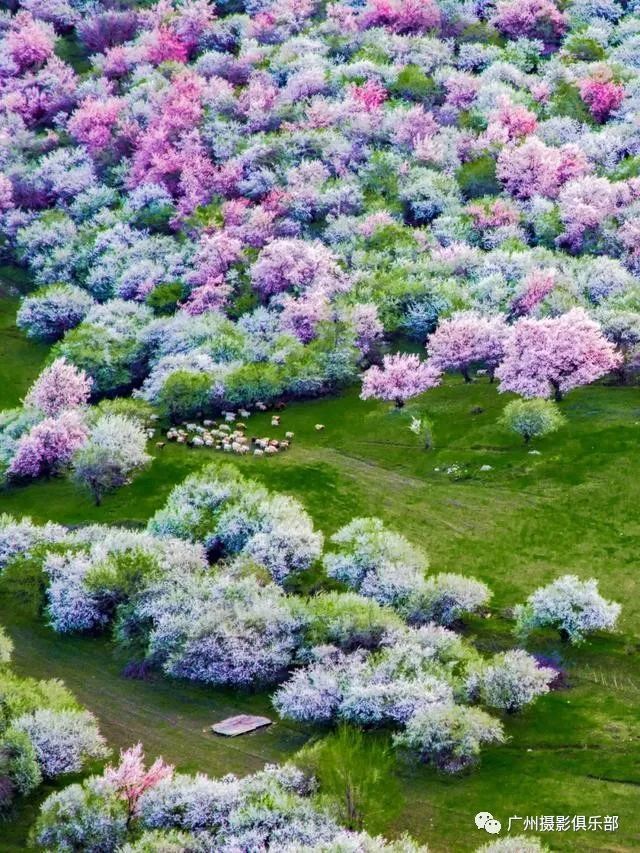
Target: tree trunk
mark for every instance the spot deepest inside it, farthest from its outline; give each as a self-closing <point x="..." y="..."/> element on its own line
<point x="399" y="402"/>
<point x="557" y="393"/>
<point x="465" y="374"/>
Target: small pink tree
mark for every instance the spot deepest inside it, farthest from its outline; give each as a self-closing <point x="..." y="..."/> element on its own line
<point x="537" y="285"/>
<point x="400" y="378"/>
<point x="48" y="446"/>
<point x="602" y="96"/>
<point x="131" y="779"/>
<point x="61" y="386"/>
<point x="555" y="355"/>
<point x="468" y="338"/>
<point x="534" y="19"/>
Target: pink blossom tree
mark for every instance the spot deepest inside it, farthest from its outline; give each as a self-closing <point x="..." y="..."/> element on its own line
<point x="49" y="445"/>
<point x="29" y="42"/>
<point x="401" y="377"/>
<point x="534" y="19"/>
<point x="554" y="355"/>
<point x="534" y="168"/>
<point x="468" y="338"/>
<point x="602" y="96"/>
<point x="60" y="386"/>
<point x="295" y="265"/>
<point x="537" y="285"/>
<point x="131" y="778"/>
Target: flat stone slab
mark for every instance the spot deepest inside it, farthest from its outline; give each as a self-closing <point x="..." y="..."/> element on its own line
<point x="240" y="725"/>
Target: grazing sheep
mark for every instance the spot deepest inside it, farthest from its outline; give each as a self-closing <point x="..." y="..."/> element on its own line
<point x="191" y="427"/>
<point x="224" y="428"/>
<point x="208" y="442"/>
<point x="289" y="435"/>
<point x="319" y="427"/>
<point x="208" y="423"/>
<point x="270" y="449"/>
<point x="244" y="413"/>
<point x="154" y="417"/>
<point x="196" y="441"/>
<point x="181" y="439"/>
<point x="284" y="445"/>
<point x="275" y="421"/>
<point x="161" y="444"/>
<point x="260" y="406"/>
<point x="258" y="452"/>
<point x="240" y="425"/>
<point x="151" y="433"/>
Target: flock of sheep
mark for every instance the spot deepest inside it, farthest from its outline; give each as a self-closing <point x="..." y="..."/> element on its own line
<point x="230" y="436"/>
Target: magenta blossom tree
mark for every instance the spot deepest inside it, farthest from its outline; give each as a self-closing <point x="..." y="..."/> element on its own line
<point x="131" y="778"/>
<point x="60" y="386"/>
<point x="552" y="356"/>
<point x="49" y="446"/>
<point x="401" y="377"/>
<point x="468" y="338"/>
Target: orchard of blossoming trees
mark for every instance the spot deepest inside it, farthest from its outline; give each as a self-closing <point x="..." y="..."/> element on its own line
<point x="234" y="205"/>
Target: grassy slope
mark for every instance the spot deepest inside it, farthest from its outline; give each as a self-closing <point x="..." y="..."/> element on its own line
<point x="571" y="509"/>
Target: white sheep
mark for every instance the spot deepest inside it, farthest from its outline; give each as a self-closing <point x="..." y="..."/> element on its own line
<point x="270" y="449"/>
<point x="244" y="413"/>
<point x="258" y="452"/>
<point x="319" y="427"/>
<point x="289" y="435"/>
<point x="229" y="417"/>
<point x="197" y="441"/>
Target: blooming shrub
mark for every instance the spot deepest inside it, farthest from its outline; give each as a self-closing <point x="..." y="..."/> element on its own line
<point x="400" y="378"/>
<point x="511" y="681"/>
<point x="574" y="607"/>
<point x="450" y="736"/>
<point x="63" y="740"/>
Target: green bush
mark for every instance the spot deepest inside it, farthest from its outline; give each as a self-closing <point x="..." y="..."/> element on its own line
<point x="164" y="298"/>
<point x="477" y="178"/>
<point x="185" y="394"/>
<point x="532" y="418"/>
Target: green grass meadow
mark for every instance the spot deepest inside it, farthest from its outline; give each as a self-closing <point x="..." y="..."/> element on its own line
<point x="571" y="507"/>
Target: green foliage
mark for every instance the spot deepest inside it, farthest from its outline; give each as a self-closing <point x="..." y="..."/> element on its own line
<point x="122" y="575"/>
<point x="18" y="764"/>
<point x="253" y="382"/>
<point x="477" y="178"/>
<point x="583" y="48"/>
<point x="113" y="363"/>
<point x="129" y="407"/>
<point x="347" y="620"/>
<point x="185" y="394"/>
<point x="566" y="102"/>
<point x="414" y="84"/>
<point x="357" y="773"/>
<point x="164" y="298"/>
<point x="532" y="418"/>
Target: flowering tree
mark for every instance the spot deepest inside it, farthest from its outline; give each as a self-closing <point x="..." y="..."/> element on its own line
<point x="534" y="19"/>
<point x="49" y="446"/>
<point x="400" y="378"/>
<point x="64" y="740"/>
<point x="450" y="736"/>
<point x="532" y="418"/>
<point x="555" y="355"/>
<point x="468" y="338"/>
<point x="52" y="311"/>
<point x="572" y="606"/>
<point x="58" y="388"/>
<point x="113" y="452"/>
<point x="510" y="681"/>
<point x="131" y="779"/>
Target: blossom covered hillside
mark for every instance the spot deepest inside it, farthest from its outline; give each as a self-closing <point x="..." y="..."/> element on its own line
<point x="242" y="200"/>
<point x="403" y="237"/>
